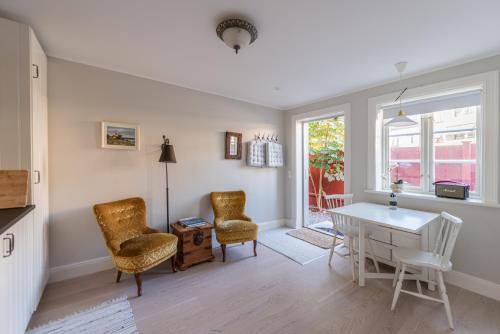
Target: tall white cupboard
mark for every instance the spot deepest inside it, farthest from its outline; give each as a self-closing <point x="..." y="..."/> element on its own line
<point x="23" y="145"/>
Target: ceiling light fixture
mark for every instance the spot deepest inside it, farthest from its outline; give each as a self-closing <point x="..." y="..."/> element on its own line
<point x="236" y="33"/>
<point x="401" y="119"/>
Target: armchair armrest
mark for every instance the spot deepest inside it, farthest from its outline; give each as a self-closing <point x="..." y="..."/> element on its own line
<point x="149" y="230"/>
<point x="245" y="217"/>
<point x="218" y="220"/>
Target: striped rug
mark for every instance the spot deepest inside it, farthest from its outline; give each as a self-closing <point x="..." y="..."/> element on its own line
<point x="114" y="316"/>
<point x="316" y="238"/>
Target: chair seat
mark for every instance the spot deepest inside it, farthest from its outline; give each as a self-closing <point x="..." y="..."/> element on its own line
<point x="145" y="251"/>
<point x="420" y="258"/>
<point x="233" y="231"/>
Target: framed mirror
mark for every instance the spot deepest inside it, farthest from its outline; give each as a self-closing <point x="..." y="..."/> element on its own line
<point x="233" y="145"/>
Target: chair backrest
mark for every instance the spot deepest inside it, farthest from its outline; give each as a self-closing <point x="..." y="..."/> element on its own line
<point x="338" y="200"/>
<point x="343" y="224"/>
<point x="447" y="235"/>
<point x="121" y="220"/>
<point x="228" y="204"/>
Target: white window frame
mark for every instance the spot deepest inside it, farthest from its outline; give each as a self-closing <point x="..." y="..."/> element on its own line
<point x="488" y="127"/>
<point x="426" y="159"/>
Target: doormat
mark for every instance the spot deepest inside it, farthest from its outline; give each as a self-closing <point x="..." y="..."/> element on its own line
<point x="313" y="237"/>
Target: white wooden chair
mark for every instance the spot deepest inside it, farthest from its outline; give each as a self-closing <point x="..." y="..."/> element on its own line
<point x="349" y="229"/>
<point x="337" y="200"/>
<point x="332" y="202"/>
<point x="438" y="260"/>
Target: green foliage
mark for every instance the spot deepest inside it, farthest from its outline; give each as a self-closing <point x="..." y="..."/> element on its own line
<point x="326" y="147"/>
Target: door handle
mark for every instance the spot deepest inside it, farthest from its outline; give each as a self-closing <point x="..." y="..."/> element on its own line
<point x="37" y="177"/>
<point x="11" y="239"/>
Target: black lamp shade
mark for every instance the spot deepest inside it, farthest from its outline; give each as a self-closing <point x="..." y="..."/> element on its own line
<point x="167" y="153"/>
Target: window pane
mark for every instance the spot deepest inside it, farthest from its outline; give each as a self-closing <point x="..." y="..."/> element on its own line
<point x="455" y="145"/>
<point x="409" y="172"/>
<point x="404" y="147"/>
<point x="404" y="153"/>
<point x="455" y="119"/>
<point x="460" y="145"/>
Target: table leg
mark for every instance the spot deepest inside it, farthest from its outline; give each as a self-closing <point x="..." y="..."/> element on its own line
<point x="361" y="275"/>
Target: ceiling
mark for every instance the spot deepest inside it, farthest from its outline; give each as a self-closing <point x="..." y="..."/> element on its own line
<point x="306" y="51"/>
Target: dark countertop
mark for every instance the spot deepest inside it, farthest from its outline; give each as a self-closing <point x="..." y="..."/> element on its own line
<point x="9" y="217"/>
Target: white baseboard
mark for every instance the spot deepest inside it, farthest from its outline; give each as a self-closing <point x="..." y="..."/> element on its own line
<point x="68" y="271"/>
<point x="269" y="225"/>
<point x="474" y="284"/>
<point x="82" y="268"/>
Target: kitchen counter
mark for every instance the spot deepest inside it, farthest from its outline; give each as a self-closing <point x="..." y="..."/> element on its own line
<point x="8" y="217"/>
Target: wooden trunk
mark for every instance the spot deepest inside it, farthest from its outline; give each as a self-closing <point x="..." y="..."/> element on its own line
<point x="194" y="246"/>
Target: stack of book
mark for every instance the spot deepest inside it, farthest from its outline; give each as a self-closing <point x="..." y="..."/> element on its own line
<point x="192" y="222"/>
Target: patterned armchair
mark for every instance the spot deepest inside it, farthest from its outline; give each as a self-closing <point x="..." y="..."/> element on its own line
<point x="133" y="246"/>
<point x="231" y="223"/>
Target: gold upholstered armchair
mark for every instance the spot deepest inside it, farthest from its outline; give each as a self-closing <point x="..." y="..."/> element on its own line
<point x="133" y="246"/>
<point x="231" y="223"/>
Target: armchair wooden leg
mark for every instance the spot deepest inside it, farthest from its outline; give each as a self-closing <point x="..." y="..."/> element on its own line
<point x="172" y="262"/>
<point x="223" y="248"/>
<point x="138" y="281"/>
<point x="118" y="276"/>
<point x="255" y="248"/>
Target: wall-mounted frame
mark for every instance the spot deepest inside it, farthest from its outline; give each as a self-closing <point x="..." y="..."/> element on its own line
<point x="233" y="146"/>
<point x="120" y="136"/>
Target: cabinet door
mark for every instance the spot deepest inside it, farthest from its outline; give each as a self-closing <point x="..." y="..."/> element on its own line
<point x="40" y="193"/>
<point x="16" y="306"/>
<point x="23" y="261"/>
<point x="6" y="290"/>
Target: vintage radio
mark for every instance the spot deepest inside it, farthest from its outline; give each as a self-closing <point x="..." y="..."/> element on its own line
<point x="452" y="189"/>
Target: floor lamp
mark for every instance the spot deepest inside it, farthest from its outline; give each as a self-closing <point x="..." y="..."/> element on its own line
<point x="167" y="156"/>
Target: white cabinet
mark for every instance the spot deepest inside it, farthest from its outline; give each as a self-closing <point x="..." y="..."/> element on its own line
<point x="24" y="145"/>
<point x="386" y="239"/>
<point x="39" y="162"/>
<point x="17" y="300"/>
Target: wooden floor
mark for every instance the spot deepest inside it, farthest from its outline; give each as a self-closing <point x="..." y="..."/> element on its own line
<point x="268" y="294"/>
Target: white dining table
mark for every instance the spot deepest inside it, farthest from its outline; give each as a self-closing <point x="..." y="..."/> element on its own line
<point x="407" y="220"/>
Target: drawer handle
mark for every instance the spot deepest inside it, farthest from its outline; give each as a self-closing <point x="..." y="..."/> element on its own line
<point x="10" y="237"/>
<point x="37" y="177"/>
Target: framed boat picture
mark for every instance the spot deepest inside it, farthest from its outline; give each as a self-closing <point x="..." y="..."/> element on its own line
<point x="120" y="136"/>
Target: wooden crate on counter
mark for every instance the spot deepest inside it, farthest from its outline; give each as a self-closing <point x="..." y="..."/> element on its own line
<point x="13" y="188"/>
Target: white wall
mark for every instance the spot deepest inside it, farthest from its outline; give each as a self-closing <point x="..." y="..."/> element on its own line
<point x="477" y="250"/>
<point x="82" y="174"/>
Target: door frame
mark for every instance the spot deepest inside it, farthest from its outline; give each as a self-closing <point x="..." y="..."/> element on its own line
<point x="299" y="149"/>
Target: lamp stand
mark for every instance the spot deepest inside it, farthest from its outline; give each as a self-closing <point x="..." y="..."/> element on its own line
<point x="168" y="209"/>
<point x="167" y="156"/>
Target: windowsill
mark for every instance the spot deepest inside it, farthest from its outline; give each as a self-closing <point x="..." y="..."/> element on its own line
<point x="430" y="197"/>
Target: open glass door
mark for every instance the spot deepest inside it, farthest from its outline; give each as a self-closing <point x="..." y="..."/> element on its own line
<point x="323" y="168"/>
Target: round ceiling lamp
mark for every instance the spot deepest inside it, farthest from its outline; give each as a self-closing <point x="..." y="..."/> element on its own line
<point x="236" y="33"/>
<point x="401" y="119"/>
